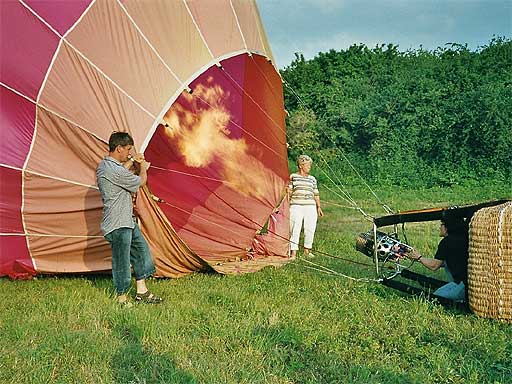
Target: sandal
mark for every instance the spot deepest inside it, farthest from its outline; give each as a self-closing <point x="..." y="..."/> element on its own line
<point x="148" y="298"/>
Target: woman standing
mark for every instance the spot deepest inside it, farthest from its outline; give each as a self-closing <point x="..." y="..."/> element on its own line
<point x="305" y="207"/>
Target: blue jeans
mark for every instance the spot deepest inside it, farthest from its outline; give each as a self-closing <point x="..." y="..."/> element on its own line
<point x="452" y="290"/>
<point x="129" y="248"/>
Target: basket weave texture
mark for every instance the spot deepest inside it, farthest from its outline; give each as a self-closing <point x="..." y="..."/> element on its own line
<point x="490" y="262"/>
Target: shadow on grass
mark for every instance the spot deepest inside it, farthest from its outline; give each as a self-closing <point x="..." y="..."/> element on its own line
<point x="93" y="277"/>
<point x="303" y="362"/>
<point x="100" y="280"/>
<point x="135" y="363"/>
<point x="400" y="288"/>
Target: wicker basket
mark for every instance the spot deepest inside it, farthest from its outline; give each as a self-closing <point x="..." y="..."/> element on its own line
<point x="490" y="262"/>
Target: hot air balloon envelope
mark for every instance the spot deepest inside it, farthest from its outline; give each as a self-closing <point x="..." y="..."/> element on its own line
<point x="202" y="101"/>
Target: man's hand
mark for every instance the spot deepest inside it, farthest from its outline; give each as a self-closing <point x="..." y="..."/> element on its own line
<point x="140" y="165"/>
<point x="145" y="165"/>
<point x="129" y="164"/>
<point x="320" y="212"/>
<point x="414" y="255"/>
<point x="139" y="158"/>
<point x="411" y="254"/>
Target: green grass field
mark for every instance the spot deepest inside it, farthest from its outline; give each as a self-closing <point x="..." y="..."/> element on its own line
<point x="286" y="325"/>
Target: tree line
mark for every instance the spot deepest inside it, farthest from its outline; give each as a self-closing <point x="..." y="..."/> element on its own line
<point x="419" y="117"/>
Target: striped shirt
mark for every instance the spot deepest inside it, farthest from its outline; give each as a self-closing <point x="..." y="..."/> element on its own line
<point x="116" y="185"/>
<point x="303" y="189"/>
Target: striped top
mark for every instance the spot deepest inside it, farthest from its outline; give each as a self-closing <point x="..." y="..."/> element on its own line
<point x="303" y="189"/>
<point x="116" y="185"/>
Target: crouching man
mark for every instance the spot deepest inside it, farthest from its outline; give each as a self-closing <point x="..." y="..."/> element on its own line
<point x="452" y="254"/>
<point x="129" y="248"/>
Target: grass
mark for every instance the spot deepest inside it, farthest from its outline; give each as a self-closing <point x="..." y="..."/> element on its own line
<point x="286" y="325"/>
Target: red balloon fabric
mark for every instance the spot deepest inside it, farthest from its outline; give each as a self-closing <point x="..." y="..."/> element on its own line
<point x="203" y="101"/>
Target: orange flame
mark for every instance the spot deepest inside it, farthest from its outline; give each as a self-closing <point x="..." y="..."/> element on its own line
<point x="203" y="136"/>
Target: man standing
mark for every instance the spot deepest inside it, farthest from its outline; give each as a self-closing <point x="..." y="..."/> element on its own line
<point x="129" y="248"/>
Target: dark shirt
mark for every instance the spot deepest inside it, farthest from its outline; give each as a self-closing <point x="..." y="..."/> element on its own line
<point x="453" y="249"/>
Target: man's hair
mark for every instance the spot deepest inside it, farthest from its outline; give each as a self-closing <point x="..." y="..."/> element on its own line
<point x="119" y="138"/>
<point x="455" y="225"/>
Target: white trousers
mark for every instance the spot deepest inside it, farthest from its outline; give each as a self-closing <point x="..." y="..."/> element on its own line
<point x="298" y="214"/>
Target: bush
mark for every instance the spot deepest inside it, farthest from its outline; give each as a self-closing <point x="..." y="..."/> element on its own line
<point x="418" y="117"/>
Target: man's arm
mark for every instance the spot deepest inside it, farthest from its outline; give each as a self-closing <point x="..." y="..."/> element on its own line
<point x="144" y="173"/>
<point x="141" y="168"/>
<point x="430" y="263"/>
<point x="129" y="164"/>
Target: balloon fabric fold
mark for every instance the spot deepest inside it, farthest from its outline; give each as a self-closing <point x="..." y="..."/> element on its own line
<point x="202" y="100"/>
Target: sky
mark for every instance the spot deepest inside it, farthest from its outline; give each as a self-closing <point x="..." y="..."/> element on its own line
<point x="312" y="26"/>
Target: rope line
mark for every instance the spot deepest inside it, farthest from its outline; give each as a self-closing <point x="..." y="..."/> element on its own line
<point x="363" y="213"/>
<point x="192" y="175"/>
<point x="387" y="209"/>
<point x="385" y="206"/>
<point x="324" y="269"/>
<point x="277" y="97"/>
<point x="346" y="196"/>
<point x="258" y="227"/>
<point x="353" y="206"/>
<point x="294" y="93"/>
<point x="337" y="205"/>
<point x="339" y="257"/>
<point x="344" y="189"/>
<point x="254" y="101"/>
<point x="237" y="125"/>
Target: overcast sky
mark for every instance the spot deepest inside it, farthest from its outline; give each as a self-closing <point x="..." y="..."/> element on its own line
<point x="311" y="26"/>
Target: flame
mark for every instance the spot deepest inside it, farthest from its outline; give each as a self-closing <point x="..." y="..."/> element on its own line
<point x="202" y="137"/>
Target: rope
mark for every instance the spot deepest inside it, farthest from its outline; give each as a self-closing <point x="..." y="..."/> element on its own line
<point x="277" y="97"/>
<point x="294" y="93"/>
<point x="254" y="101"/>
<point x="239" y="126"/>
<point x="339" y="258"/>
<point x="385" y="206"/>
<point x="193" y="214"/>
<point x="344" y="191"/>
<point x="340" y="196"/>
<point x="193" y="175"/>
<point x="324" y="269"/>
<point x="258" y="228"/>
<point x="387" y="209"/>
<point x="347" y="197"/>
<point x="337" y="205"/>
